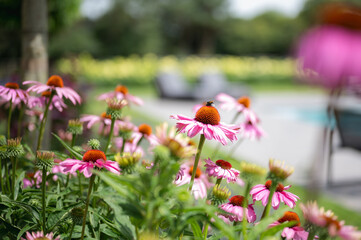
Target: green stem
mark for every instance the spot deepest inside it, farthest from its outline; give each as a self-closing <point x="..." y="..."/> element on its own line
<point x="80" y="186"/>
<point x="196" y="160"/>
<point x="311" y="235"/>
<point x="91" y="182"/>
<point x="9" y="117"/>
<point x="20" y="121"/>
<point x="218" y="182"/>
<point x="43" y="121"/>
<point x="73" y="140"/>
<point x="123" y="146"/>
<point x="1" y="177"/>
<point x="205" y="231"/>
<point x="245" y="206"/>
<point x="13" y="176"/>
<point x="43" y="186"/>
<point x="110" y="135"/>
<point x="71" y="230"/>
<point x="269" y="203"/>
<point x="7" y="176"/>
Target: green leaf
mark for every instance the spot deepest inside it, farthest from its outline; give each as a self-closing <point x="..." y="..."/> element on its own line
<point x="197" y="231"/>
<point x="262" y="226"/>
<point x="25" y="229"/>
<point x="18" y="182"/>
<point x="70" y="149"/>
<point x="273" y="230"/>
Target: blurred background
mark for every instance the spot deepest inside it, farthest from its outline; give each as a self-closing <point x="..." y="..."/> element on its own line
<point x="168" y="51"/>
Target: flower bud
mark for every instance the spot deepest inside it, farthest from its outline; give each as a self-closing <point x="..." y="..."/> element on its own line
<point x="45" y="159"/>
<point x="115" y="107"/>
<point x="77" y="215"/>
<point x="14" y="148"/>
<point x="94" y="143"/>
<point x="127" y="160"/>
<point x="220" y="194"/>
<point x="75" y="127"/>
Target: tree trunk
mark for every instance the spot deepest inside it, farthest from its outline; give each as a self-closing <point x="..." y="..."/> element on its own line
<point x="34" y="60"/>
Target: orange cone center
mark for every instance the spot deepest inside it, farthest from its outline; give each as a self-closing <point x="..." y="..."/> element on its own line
<point x="93" y="155"/>
<point x="224" y="164"/>
<point x="12" y="85"/>
<point x="198" y="172"/>
<point x="208" y="115"/>
<point x="290" y="216"/>
<point x="145" y="129"/>
<point x="121" y="89"/>
<point x="55" y="81"/>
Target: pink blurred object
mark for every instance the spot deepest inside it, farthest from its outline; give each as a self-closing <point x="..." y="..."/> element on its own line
<point x="330" y="56"/>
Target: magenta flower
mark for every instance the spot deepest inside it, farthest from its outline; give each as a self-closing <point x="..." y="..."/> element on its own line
<point x="201" y="183"/>
<point x="145" y="131"/>
<point x="221" y="170"/>
<point x="11" y="91"/>
<point x="327" y="219"/>
<point x="40" y="102"/>
<point x="261" y="192"/>
<point x="105" y="123"/>
<point x="294" y="232"/>
<point x="32" y="179"/>
<point x="55" y="84"/>
<point x="236" y="210"/>
<point x="206" y="122"/>
<point x="249" y="130"/>
<point x="40" y="236"/>
<point x="241" y="104"/>
<point x="91" y="159"/>
<point x="329" y="56"/>
<point x="121" y="92"/>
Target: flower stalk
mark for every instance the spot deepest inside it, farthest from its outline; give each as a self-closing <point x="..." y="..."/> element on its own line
<point x="43" y="187"/>
<point x="196" y="160"/>
<point x="9" y="117"/>
<point x="91" y="182"/>
<point x="269" y="203"/>
<point x="110" y="135"/>
<point x="43" y="121"/>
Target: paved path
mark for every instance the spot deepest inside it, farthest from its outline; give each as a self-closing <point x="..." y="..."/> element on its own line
<point x="293" y="123"/>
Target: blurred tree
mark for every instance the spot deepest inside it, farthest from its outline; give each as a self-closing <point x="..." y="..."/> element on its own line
<point x="270" y="33"/>
<point x="60" y="14"/>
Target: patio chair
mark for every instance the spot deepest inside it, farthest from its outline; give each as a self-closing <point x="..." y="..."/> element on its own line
<point x="348" y="123"/>
<point x="172" y="85"/>
<point x="213" y="82"/>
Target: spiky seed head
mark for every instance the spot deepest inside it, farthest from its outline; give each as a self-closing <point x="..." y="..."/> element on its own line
<point x="220" y="194"/>
<point x="2" y="140"/>
<point x="44" y="159"/>
<point x="278" y="171"/>
<point x="127" y="160"/>
<point x="77" y="215"/>
<point x="75" y="127"/>
<point x="115" y="107"/>
<point x="94" y="143"/>
<point x="14" y="148"/>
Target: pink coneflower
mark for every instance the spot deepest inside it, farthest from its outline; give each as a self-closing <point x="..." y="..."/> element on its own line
<point x="40" y="236"/>
<point x="236" y="210"/>
<point x="105" y="123"/>
<point x="121" y="92"/>
<point x="145" y="131"/>
<point x="91" y="159"/>
<point x="261" y="192"/>
<point x="250" y="130"/>
<point x="55" y="85"/>
<point x="329" y="55"/>
<point x="206" y="122"/>
<point x="327" y="219"/>
<point x="201" y="183"/>
<point x="179" y="145"/>
<point x="32" y="179"/>
<point x="229" y="103"/>
<point x="294" y="232"/>
<point x="40" y="102"/>
<point x="11" y="91"/>
<point x="221" y="170"/>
